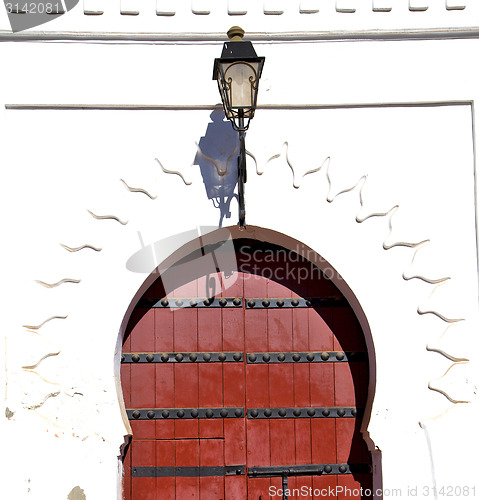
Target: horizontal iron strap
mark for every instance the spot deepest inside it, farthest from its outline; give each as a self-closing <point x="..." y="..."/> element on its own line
<point x="192" y="302"/>
<point x="336" y="412"/>
<point x="305" y="357"/>
<point x="308" y="470"/>
<point x="183" y="413"/>
<point x="250" y="303"/>
<point x="182" y="357"/>
<point x="205" y="471"/>
<point x="252" y="413"/>
<point x="295" y="303"/>
<point x="251" y="358"/>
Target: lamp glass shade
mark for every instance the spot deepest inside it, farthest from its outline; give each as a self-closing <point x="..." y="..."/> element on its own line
<point x="238" y="84"/>
<point x="241" y="83"/>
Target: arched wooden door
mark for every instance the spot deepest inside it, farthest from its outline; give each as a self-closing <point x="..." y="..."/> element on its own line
<point x="260" y="387"/>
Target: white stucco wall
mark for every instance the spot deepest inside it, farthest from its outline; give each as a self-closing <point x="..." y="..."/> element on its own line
<point x="365" y="151"/>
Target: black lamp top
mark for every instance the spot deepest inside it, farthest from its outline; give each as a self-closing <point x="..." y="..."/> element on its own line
<point x="237" y="49"/>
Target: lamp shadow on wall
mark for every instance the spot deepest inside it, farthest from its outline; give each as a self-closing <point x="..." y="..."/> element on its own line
<point x="217" y="157"/>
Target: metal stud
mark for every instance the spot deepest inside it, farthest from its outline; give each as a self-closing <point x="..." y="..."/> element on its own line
<point x="310" y="356"/>
<point x="341" y="412"/>
<point x="238" y="412"/>
<point x="180" y="414"/>
<point x="151" y="414"/>
<point x="254" y="413"/>
<point x="251" y="303"/>
<point x="164" y="302"/>
<point x="340" y="356"/>
<point x="326" y="413"/>
<point x="295" y="302"/>
<point x="150" y="357"/>
<point x="135" y="358"/>
<point x="354" y="412"/>
<point x="296" y="412"/>
<point x="165" y="413"/>
<point x="280" y="303"/>
<point x="224" y="413"/>
<point x="179" y="357"/>
<point x="281" y="357"/>
<point x="209" y="413"/>
<point x="342" y="469"/>
<point x="164" y="357"/>
<point x="194" y="413"/>
<point x="193" y="303"/>
<point x="309" y="303"/>
<point x="266" y="303"/>
<point x="296" y="357"/>
<point x="252" y="357"/>
<point x="208" y="302"/>
<point x="222" y="356"/>
<point x="266" y="357"/>
<point x="179" y="302"/>
<point x="237" y="356"/>
<point x="268" y="413"/>
<point x="207" y="356"/>
<point x="282" y="412"/>
<point x="325" y="356"/>
<point x="193" y="357"/>
<point x="136" y="414"/>
<point x="223" y="302"/>
<point x="328" y="469"/>
<point x="311" y="412"/>
<point x="237" y="302"/>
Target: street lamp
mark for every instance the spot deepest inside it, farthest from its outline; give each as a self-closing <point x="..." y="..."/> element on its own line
<point x="238" y="71"/>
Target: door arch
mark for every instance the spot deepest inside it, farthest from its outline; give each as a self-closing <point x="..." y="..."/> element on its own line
<point x="236" y="386"/>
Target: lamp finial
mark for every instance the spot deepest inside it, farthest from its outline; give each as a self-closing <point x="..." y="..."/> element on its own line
<point x="235" y="34"/>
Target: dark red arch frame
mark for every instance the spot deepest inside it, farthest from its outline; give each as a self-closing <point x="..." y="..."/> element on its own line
<point x="155" y="291"/>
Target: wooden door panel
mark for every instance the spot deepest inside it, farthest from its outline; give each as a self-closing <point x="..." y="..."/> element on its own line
<point x="323" y="440"/>
<point x="236" y="488"/>
<point x="234" y="384"/>
<point x="282" y="442"/>
<point x="322" y="387"/>
<point x="165" y="395"/>
<point x="166" y="457"/>
<point x="257" y="385"/>
<point x="143" y="454"/>
<point x="212" y="454"/>
<point x="189" y="457"/>
<point x="321" y="336"/>
<point x="235" y="441"/>
<point x="302" y="441"/>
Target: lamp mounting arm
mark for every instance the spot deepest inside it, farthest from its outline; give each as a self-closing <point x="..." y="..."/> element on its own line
<point x="241" y="178"/>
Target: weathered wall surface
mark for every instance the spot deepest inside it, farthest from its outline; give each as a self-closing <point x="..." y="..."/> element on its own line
<point x="362" y="150"/>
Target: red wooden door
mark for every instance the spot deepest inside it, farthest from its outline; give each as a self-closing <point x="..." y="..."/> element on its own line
<point x="258" y="387"/>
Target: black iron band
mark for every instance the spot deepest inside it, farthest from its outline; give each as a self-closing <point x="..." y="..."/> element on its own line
<point x="205" y="471"/>
<point x="305" y="357"/>
<point x="250" y="303"/>
<point x="192" y="303"/>
<point x="184" y="413"/>
<point x="251" y="358"/>
<point x="252" y="413"/>
<point x="182" y="357"/>
<point x="333" y="412"/>
<point x="294" y="303"/>
<point x="308" y="470"/>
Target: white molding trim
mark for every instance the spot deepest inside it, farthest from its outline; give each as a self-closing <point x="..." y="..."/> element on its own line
<point x="291" y="36"/>
<point x="199" y="107"/>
